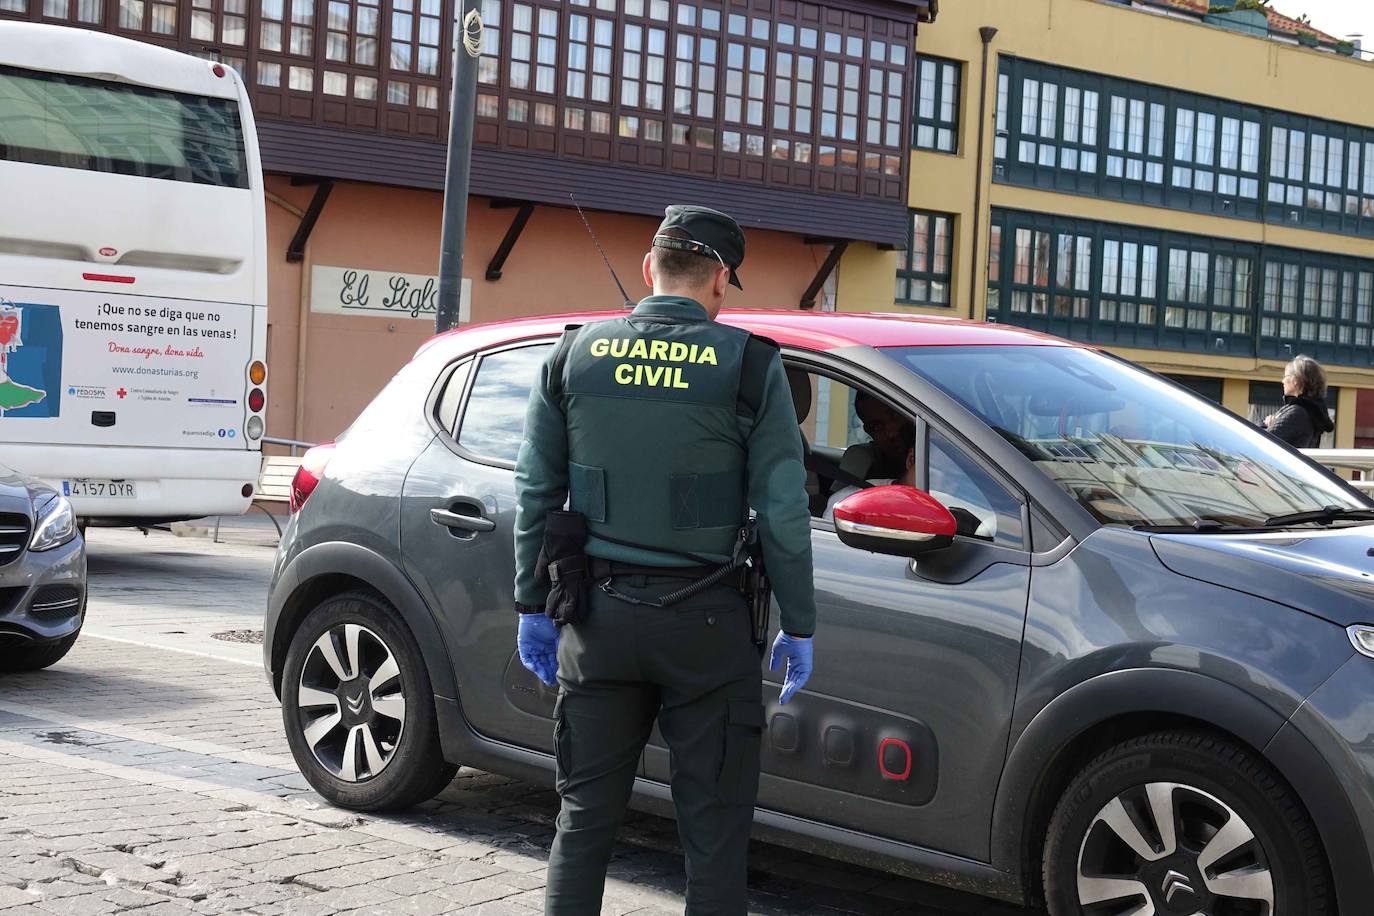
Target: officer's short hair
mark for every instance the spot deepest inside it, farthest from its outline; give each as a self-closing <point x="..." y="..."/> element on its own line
<point x="1309" y="375"/>
<point x="681" y="266"/>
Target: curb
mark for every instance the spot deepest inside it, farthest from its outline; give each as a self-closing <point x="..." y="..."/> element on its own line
<point x="232" y="529"/>
<point x="188" y="530"/>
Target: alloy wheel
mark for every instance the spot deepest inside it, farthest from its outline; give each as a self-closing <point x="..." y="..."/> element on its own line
<point x="352" y="702"/>
<point x="1167" y="849"/>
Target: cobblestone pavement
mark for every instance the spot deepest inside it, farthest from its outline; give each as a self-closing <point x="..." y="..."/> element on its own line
<point x="154" y="779"/>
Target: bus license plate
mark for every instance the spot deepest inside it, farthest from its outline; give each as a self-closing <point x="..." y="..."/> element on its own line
<point x="106" y="489"/>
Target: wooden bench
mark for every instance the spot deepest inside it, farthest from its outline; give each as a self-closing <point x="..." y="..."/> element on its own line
<point x="274" y="485"/>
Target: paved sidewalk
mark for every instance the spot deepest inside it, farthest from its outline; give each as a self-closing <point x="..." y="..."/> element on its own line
<point x="177" y="592"/>
<point x="158" y="782"/>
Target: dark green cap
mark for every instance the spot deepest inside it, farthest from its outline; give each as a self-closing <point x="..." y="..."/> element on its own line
<point x="710" y="234"/>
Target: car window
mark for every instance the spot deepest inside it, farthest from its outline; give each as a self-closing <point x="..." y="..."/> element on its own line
<point x="982" y="506"/>
<point x="842" y="431"/>
<point x="446" y="411"/>
<point x="494" y="422"/>
<point x="832" y="424"/>
<point x="842" y="450"/>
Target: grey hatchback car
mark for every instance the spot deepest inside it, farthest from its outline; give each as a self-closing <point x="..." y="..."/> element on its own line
<point x="42" y="574"/>
<point x="1117" y="656"/>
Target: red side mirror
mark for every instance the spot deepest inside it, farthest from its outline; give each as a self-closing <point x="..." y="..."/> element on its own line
<point x="898" y="520"/>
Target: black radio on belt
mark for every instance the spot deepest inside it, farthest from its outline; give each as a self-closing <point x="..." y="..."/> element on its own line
<point x="756" y="588"/>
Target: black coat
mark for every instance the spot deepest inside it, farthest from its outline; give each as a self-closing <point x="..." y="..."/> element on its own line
<point x="1301" y="421"/>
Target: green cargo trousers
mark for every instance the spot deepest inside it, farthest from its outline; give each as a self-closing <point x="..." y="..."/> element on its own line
<point x="695" y="668"/>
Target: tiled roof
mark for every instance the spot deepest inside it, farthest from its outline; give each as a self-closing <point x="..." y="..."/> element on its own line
<point x="1278" y="22"/>
<point x="1281" y="23"/>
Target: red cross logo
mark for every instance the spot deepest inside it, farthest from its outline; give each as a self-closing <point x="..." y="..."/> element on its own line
<point x="121" y="392"/>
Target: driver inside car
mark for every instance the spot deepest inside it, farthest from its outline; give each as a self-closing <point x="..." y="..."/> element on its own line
<point x="908" y="479"/>
<point x="884" y="458"/>
<point x="945" y="487"/>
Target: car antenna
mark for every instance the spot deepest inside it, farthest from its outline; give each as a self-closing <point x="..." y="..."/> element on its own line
<point x="601" y="251"/>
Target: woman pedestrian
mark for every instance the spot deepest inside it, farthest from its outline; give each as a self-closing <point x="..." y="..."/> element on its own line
<point x="1303" y="418"/>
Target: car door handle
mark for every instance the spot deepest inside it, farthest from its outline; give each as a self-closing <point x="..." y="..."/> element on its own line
<point x="464" y="522"/>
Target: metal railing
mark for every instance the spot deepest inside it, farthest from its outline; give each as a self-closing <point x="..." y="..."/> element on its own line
<point x="1347" y="459"/>
<point x="292" y="443"/>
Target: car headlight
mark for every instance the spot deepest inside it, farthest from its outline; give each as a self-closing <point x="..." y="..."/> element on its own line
<point x="55" y="524"/>
<point x="1362" y="638"/>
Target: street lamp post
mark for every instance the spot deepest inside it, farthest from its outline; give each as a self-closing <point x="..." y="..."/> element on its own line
<point x="462" y="96"/>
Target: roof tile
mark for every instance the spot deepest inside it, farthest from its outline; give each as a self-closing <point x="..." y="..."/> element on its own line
<point x="1278" y="22"/>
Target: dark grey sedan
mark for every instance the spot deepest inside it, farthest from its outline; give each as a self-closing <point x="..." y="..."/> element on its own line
<point x="42" y="574"/>
<point x="1106" y="646"/>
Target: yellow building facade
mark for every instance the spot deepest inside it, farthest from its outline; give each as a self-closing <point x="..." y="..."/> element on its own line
<point x="1199" y="200"/>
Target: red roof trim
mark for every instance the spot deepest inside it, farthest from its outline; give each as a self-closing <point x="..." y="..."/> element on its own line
<point x="805" y="330"/>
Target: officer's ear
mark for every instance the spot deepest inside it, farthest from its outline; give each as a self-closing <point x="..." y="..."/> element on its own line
<point x="722" y="283"/>
<point x="648" y="273"/>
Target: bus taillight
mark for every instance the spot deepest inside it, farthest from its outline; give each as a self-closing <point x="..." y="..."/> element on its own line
<point x="257" y="400"/>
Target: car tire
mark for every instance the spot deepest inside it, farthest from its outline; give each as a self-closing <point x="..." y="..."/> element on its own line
<point x="1168" y="816"/>
<point x="36" y="657"/>
<point x="359" y="709"/>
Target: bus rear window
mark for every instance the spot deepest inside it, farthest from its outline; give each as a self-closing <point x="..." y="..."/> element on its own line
<point x="79" y="123"/>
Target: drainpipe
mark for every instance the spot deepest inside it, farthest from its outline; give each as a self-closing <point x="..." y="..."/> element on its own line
<point x="302" y="339"/>
<point x="987" y="33"/>
<point x="302" y="319"/>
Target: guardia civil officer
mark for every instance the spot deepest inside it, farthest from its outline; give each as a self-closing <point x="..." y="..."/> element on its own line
<point x="661" y="429"/>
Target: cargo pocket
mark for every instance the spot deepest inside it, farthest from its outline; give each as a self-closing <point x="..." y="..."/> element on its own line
<point x="739" y="769"/>
<point x="562" y="745"/>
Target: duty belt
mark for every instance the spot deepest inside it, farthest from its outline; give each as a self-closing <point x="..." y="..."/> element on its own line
<point x="600" y="569"/>
<point x="697" y="579"/>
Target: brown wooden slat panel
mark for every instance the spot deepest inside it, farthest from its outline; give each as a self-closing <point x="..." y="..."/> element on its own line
<point x="299" y="149"/>
<point x="375" y="67"/>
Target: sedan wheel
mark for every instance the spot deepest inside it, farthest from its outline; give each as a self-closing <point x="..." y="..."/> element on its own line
<point x="26" y="657"/>
<point x="1183" y="824"/>
<point x="359" y="709"/>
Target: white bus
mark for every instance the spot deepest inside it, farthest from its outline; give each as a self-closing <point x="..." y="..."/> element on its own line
<point x="133" y="276"/>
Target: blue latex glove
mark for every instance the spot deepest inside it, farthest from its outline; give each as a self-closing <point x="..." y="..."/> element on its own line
<point x="537" y="642"/>
<point x="797" y="651"/>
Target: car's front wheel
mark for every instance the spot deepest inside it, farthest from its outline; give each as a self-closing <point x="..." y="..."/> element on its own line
<point x="35" y="657"/>
<point x="358" y="707"/>
<point x="1183" y="823"/>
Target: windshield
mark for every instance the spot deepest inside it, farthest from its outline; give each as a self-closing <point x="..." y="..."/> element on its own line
<point x="80" y="123"/>
<point x="1132" y="448"/>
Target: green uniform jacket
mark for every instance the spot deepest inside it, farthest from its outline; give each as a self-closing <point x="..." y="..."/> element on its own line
<point x="776" y="484"/>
